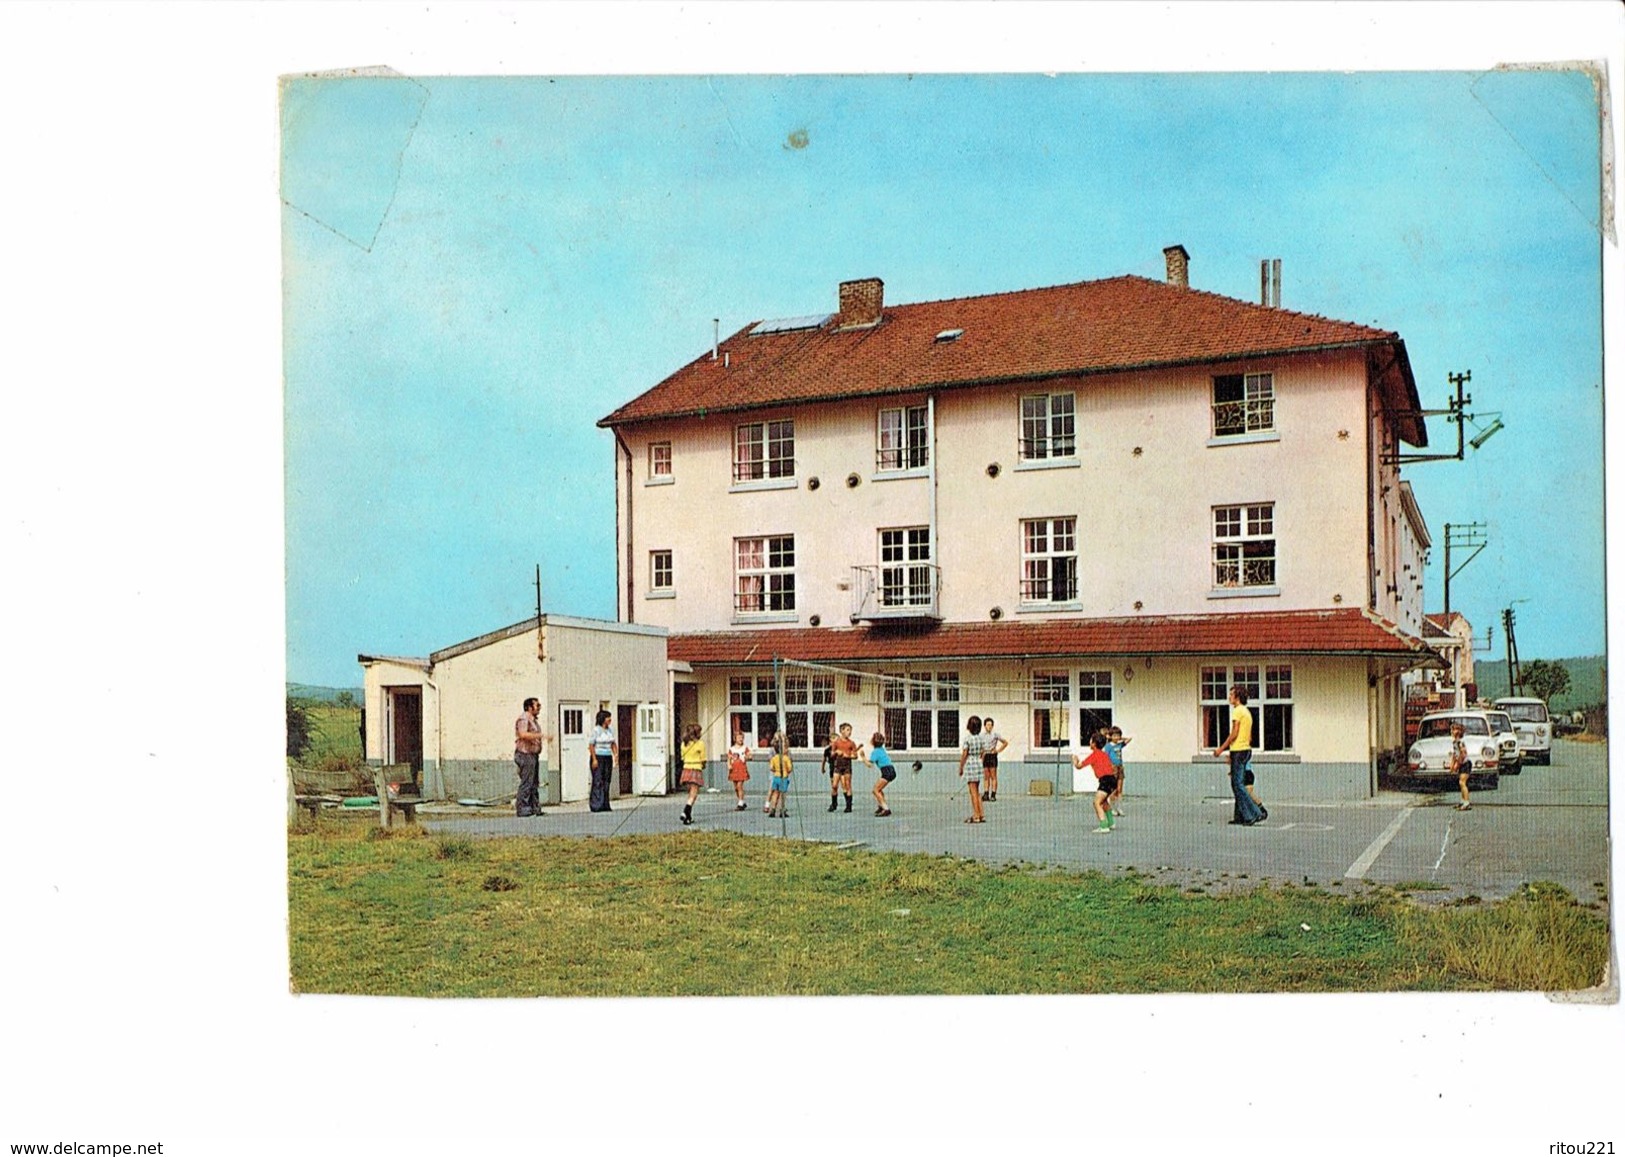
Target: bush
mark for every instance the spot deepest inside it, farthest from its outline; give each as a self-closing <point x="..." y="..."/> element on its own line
<point x="298" y="728"/>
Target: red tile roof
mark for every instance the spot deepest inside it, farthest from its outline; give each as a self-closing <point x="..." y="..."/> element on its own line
<point x="1338" y="632"/>
<point x="1442" y="621"/>
<point x="1090" y="327"/>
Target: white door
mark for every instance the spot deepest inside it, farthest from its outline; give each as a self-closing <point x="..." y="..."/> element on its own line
<point x="575" y="777"/>
<point x="649" y="772"/>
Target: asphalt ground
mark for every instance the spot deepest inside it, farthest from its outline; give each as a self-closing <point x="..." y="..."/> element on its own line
<point x="1546" y="824"/>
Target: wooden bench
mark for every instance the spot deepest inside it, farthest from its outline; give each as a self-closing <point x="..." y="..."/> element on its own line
<point x="406" y="800"/>
<point x="315" y="803"/>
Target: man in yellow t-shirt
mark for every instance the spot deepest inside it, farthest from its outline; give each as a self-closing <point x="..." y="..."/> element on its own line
<point x="1240" y="747"/>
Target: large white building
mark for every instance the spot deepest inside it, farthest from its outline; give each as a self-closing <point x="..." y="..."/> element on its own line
<point x="1105" y="501"/>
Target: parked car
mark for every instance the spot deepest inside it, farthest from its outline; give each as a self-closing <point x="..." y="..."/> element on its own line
<point x="1429" y="757"/>
<point x="1511" y="756"/>
<point x="1533" y="725"/>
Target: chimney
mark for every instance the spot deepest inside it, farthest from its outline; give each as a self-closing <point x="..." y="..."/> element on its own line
<point x="1269" y="282"/>
<point x="1179" y="266"/>
<point x="860" y="303"/>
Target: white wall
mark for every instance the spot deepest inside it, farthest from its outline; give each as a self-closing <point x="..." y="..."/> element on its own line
<point x="1158" y="705"/>
<point x="1145" y="520"/>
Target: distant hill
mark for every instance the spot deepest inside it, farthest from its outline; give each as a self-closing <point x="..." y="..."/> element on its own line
<point x="320" y="694"/>
<point x="1585" y="680"/>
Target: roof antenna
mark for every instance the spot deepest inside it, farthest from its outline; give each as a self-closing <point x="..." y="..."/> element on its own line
<point x="716" y="334"/>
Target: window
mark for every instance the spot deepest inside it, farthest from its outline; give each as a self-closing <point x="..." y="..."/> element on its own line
<point x="1243" y="404"/>
<point x="765" y="575"/>
<point x="903" y="441"/>
<point x="920" y="710"/>
<point x="575" y="721"/>
<point x="1094" y="701"/>
<point x="1049" y="560"/>
<point x="1269" y="699"/>
<point x="1052" y="690"/>
<point x="809" y="709"/>
<point x="765" y="450"/>
<point x="1047" y="427"/>
<point x="659" y="460"/>
<point x="905" y="567"/>
<point x="1244" y="545"/>
<point x="745" y="692"/>
<point x="660" y="570"/>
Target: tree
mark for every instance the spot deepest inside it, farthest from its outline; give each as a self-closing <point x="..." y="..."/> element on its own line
<point x="344" y="699"/>
<point x="298" y="728"/>
<point x="1544" y="679"/>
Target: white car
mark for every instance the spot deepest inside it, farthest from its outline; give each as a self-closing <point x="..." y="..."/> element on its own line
<point x="1533" y="725"/>
<point x="1429" y="758"/>
<point x="1511" y="756"/>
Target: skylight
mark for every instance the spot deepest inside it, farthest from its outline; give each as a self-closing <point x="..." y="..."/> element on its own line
<point x="787" y="324"/>
<point x="949" y="335"/>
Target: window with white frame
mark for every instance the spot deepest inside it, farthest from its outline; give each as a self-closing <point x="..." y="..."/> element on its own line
<point x="1269" y="698"/>
<point x="765" y="574"/>
<point x="809" y="709"/>
<point x="660" y="570"/>
<point x="765" y="450"/>
<point x="744" y="693"/>
<point x="920" y="710"/>
<point x="1244" y="545"/>
<point x="1049" y="560"/>
<point x="1048" y="427"/>
<point x="1243" y="404"/>
<point x="1051" y="696"/>
<point x="904" y="443"/>
<point x="905" y="567"/>
<point x="659" y="460"/>
<point x="1094" y="702"/>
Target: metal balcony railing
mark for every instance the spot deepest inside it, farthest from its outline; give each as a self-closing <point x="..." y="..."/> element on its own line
<point x="904" y="590"/>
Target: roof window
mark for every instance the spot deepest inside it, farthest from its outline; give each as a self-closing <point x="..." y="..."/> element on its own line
<point x="948" y="335"/>
<point x="790" y="324"/>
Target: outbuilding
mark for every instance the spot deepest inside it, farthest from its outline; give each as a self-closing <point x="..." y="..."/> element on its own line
<point x="451" y="715"/>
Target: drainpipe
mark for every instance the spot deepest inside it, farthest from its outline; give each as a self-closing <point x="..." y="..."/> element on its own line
<point x="1371" y="428"/>
<point x="630" y="569"/>
<point x="931" y="467"/>
<point x="1371" y="738"/>
<point x="437" y="788"/>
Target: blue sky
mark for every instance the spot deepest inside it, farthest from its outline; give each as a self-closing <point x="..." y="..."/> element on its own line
<point x="478" y="269"/>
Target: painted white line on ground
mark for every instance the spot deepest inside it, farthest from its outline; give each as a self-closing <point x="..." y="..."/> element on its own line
<point x="1360" y="867"/>
<point x="1448" y="825"/>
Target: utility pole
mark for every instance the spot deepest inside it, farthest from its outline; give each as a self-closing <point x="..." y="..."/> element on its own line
<point x="541" y="646"/>
<point x="1514" y="682"/>
<point x="1460" y="535"/>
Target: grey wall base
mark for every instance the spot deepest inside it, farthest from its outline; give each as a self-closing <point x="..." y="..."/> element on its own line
<point x="1283" y="782"/>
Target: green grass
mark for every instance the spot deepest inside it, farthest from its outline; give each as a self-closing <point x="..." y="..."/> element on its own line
<point x="334" y="730"/>
<point x="718" y="913"/>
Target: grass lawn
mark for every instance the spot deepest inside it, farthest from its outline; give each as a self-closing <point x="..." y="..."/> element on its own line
<point x="718" y="913"/>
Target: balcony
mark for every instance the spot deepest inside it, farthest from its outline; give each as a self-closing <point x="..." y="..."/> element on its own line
<point x="895" y="592"/>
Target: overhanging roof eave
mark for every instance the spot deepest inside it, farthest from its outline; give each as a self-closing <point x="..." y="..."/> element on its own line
<point x="610" y="421"/>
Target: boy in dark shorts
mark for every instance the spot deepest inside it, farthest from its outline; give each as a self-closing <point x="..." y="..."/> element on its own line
<point x="1100" y="766"/>
<point x="843" y="750"/>
<point x="990" y="759"/>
